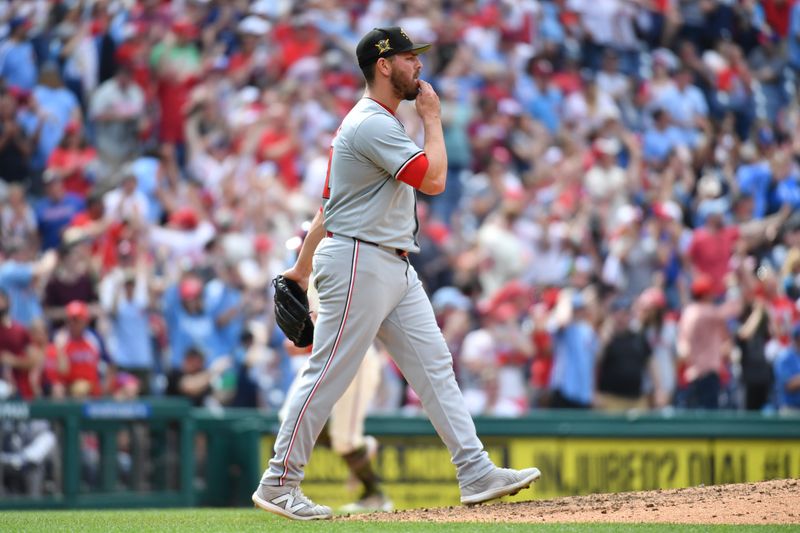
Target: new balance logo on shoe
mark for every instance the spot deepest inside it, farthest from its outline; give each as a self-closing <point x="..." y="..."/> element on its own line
<point x="290" y="505"/>
<point x="289" y="502"/>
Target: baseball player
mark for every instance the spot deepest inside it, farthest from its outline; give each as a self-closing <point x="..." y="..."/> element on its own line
<point x="368" y="288"/>
<point x="346" y="424"/>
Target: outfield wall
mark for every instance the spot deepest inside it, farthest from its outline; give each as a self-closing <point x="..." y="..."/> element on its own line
<point x="578" y="453"/>
<point x="163" y="453"/>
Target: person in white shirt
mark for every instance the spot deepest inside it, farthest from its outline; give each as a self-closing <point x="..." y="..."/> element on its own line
<point x="117" y="109"/>
<point x="126" y="202"/>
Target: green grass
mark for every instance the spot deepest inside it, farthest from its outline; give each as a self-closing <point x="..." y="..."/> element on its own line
<point x="246" y="520"/>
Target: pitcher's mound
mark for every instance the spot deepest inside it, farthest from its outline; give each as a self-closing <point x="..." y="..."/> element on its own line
<point x="767" y="502"/>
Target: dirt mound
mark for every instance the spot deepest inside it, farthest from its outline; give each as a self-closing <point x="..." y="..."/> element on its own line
<point x="768" y="502"/>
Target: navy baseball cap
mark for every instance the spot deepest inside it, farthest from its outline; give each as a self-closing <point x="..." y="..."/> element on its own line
<point x="385" y="42"/>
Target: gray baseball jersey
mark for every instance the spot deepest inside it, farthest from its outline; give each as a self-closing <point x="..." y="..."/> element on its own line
<point x="362" y="197"/>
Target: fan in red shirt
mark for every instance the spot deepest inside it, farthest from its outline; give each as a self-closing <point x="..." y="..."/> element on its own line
<point x="711" y="250"/>
<point x="277" y="144"/>
<point x="79" y="353"/>
<point x="18" y="354"/>
<point x="177" y="65"/>
<point x="71" y="159"/>
<point x="297" y="40"/>
<point x="778" y="15"/>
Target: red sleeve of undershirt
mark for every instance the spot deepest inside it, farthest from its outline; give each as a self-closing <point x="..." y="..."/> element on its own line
<point x="413" y="171"/>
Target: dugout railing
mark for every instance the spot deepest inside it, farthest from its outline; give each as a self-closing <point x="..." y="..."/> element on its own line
<point x="106" y="454"/>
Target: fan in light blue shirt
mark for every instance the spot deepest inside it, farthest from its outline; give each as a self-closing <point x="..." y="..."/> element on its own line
<point x="16" y="278"/>
<point x="575" y="347"/>
<point x="17" y="57"/>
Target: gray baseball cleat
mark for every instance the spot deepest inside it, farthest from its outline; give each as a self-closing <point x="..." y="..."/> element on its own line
<point x="499" y="482"/>
<point x="290" y="502"/>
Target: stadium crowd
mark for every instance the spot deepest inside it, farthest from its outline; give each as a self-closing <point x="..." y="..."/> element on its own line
<point x="619" y="230"/>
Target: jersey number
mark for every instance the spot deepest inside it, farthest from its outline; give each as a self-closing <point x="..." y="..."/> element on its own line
<point x="326" y="191"/>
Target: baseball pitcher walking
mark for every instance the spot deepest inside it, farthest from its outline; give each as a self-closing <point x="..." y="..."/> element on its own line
<point x="358" y="247"/>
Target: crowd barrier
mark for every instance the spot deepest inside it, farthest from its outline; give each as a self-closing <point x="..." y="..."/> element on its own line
<point x="164" y="453"/>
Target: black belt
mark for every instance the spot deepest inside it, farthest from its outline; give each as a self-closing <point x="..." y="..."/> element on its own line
<point x="397" y="251"/>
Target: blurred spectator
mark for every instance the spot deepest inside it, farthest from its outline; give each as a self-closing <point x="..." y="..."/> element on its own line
<point x="787" y="375"/>
<point x="686" y="105"/>
<point x="661" y="138"/>
<point x="500" y="247"/>
<point x="624" y="359"/>
<point x="74" y="160"/>
<point x="499" y="354"/>
<point x="16" y="144"/>
<point x="632" y="260"/>
<point x="786" y="178"/>
<point x="606" y="182"/>
<point x="21" y="274"/>
<point x="793" y="38"/>
<point x="712" y="247"/>
<point x="20" y="357"/>
<point x="195" y="380"/>
<point x="125" y="298"/>
<point x="83" y="366"/>
<point x="452" y="309"/>
<point x="586" y="110"/>
<point x="704" y="342"/>
<point x="754" y="177"/>
<point x="57" y="107"/>
<point x="751" y="338"/>
<point x="184" y="239"/>
<point x="17" y="218"/>
<point x="226" y="296"/>
<point x="72" y="46"/>
<point x="767" y="64"/>
<point x="176" y="63"/>
<point x="126" y="202"/>
<point x="256" y="373"/>
<point x="55" y="210"/>
<point x="539" y="95"/>
<point x="660" y="329"/>
<point x="542" y="363"/>
<point x="17" y="57"/>
<point x="575" y="347"/>
<point x="28" y="451"/>
<point x="476" y="373"/>
<point x="117" y="110"/>
<point x="190" y="325"/>
<point x="71" y="281"/>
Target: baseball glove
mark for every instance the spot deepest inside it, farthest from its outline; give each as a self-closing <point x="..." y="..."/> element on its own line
<point x="292" y="313"/>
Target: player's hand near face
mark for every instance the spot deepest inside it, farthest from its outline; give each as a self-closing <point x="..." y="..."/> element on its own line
<point x="429" y="110"/>
<point x="427" y="102"/>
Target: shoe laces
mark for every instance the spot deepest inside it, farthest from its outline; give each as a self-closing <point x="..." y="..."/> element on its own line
<point x="298" y="495"/>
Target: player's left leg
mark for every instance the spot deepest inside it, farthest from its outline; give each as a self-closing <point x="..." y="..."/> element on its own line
<point x="414" y="340"/>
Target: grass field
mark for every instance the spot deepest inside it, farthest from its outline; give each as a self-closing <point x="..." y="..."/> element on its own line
<point x="247" y="520"/>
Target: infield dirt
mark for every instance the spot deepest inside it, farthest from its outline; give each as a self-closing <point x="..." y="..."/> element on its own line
<point x="768" y="502"/>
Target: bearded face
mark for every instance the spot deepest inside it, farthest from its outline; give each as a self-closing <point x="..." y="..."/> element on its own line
<point x="404" y="79"/>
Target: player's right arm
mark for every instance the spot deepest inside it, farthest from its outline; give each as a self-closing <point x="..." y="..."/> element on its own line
<point x="301" y="270"/>
<point x="429" y="110"/>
